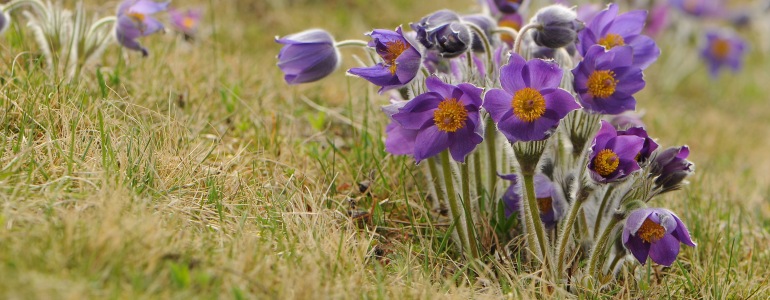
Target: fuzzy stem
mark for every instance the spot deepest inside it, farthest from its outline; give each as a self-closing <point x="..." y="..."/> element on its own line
<point x="480" y="185"/>
<point x="13" y="5"/>
<point x="506" y="30"/>
<point x="600" y="212"/>
<point x="99" y="23"/>
<point x="351" y="43"/>
<point x="520" y="37"/>
<point x="487" y="47"/>
<point x="566" y="232"/>
<point x="598" y="248"/>
<point x="454" y="205"/>
<point x="534" y="213"/>
<point x="491" y="140"/>
<point x="615" y="261"/>
<point x="469" y="225"/>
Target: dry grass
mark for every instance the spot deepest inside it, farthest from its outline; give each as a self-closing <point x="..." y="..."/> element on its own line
<point x="200" y="174"/>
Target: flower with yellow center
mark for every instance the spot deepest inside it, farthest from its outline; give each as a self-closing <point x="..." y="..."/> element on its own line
<point x="650" y="231"/>
<point x="602" y="83"/>
<point x="720" y="48"/>
<point x="606" y="162"/>
<point x="528" y="104"/>
<point x="450" y="115"/>
<point x="392" y="52"/>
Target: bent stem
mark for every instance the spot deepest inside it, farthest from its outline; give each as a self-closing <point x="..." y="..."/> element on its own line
<point x="598" y="249"/>
<point x="520" y="37"/>
<point x="99" y="23"/>
<point x="351" y="43"/>
<point x="487" y="47"/>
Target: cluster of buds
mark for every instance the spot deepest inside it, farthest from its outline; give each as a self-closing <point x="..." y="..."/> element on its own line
<point x="546" y="107"/>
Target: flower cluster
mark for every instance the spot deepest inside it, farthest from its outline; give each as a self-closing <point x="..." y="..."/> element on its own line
<point x="490" y="95"/>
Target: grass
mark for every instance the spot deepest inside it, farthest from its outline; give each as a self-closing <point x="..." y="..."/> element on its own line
<point x="198" y="173"/>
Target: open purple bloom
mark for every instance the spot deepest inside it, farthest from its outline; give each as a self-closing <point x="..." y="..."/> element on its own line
<point x="723" y="48"/>
<point x="307" y="56"/>
<point x="648" y="147"/>
<point x="607" y="80"/>
<point x="611" y="30"/>
<point x="531" y="104"/>
<point x="508" y="6"/>
<point x="401" y="61"/>
<point x="135" y="20"/>
<point x="655" y="233"/>
<point x="613" y="156"/>
<point x="672" y="167"/>
<point x="549" y="202"/>
<point x="446" y="117"/>
<point x="186" y="21"/>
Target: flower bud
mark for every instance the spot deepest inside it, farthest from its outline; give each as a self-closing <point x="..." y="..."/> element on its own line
<point x="307" y="56"/>
<point x="672" y="167"/>
<point x="453" y="40"/>
<point x="558" y="26"/>
<point x="428" y="26"/>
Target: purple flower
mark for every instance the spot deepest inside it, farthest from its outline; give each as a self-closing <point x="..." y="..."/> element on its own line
<point x="186" y="22"/>
<point x="607" y="80"/>
<point x="486" y="24"/>
<point x="398" y="141"/>
<point x="531" y="104"/>
<point x="508" y="6"/>
<point x="611" y="30"/>
<point x="627" y="119"/>
<point x="307" y="56"/>
<point x="648" y="147"/>
<point x="401" y="61"/>
<point x="135" y="20"/>
<point x="655" y="232"/>
<point x="549" y="202"/>
<point x="723" y="48"/>
<point x="446" y="117"/>
<point x="613" y="156"/>
<point x="657" y="21"/>
<point x="672" y="167"/>
<point x="699" y="8"/>
<point x="558" y="26"/>
<point x="587" y="12"/>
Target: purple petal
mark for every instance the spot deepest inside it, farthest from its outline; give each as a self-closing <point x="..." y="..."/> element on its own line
<point x="638" y="248"/>
<point x="497" y="102"/>
<point x="511" y="74"/>
<point x="431" y="142"/>
<point x="629" y="23"/>
<point x="543" y="74"/>
<point x="665" y="250"/>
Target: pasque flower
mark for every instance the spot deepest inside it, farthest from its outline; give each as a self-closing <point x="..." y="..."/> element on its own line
<point x="607" y="80"/>
<point x="723" y="49"/>
<point x="611" y="30"/>
<point x="549" y="202"/>
<point x="135" y="20"/>
<point x="531" y="104"/>
<point x="307" y="56"/>
<point x="186" y="21"/>
<point x="613" y="156"/>
<point x="655" y="233"/>
<point x="672" y="167"/>
<point x="398" y="140"/>
<point x="400" y="60"/>
<point x="558" y="26"/>
<point x="446" y="117"/>
<point x="648" y="147"/>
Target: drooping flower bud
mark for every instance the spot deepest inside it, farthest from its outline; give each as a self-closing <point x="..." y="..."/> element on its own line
<point x="672" y="167"/>
<point x="486" y="24"/>
<point x="307" y="56"/>
<point x="428" y="26"/>
<point x="558" y="26"/>
<point x="444" y="31"/>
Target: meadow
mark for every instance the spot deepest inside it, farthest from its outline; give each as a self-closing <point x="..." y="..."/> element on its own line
<point x="197" y="172"/>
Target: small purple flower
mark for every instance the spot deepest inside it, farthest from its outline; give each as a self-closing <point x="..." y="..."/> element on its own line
<point x="401" y="61"/>
<point x="611" y="30"/>
<point x="307" y="56"/>
<point x="655" y="233"/>
<point x="549" y="202"/>
<point x="186" y="22"/>
<point x="446" y="117"/>
<point x="648" y="147"/>
<point x="531" y="104"/>
<point x="657" y="21"/>
<point x="699" y="8"/>
<point x="672" y="167"/>
<point x="607" y="80"/>
<point x="613" y="156"/>
<point x="723" y="48"/>
<point x="135" y="20"/>
<point x="508" y="6"/>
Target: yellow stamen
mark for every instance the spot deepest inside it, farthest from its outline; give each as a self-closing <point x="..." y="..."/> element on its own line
<point x="528" y="104"/>
<point x="650" y="231"/>
<point x="510" y="24"/>
<point x="188" y="22"/>
<point x="720" y="48"/>
<point x="139" y="17"/>
<point x="602" y="83"/>
<point x="606" y="162"/>
<point x="611" y="40"/>
<point x="450" y="115"/>
<point x="393" y="51"/>
<point x="545" y="205"/>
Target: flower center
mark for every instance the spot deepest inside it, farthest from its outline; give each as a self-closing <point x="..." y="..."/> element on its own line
<point x="545" y="205"/>
<point x="611" y="40"/>
<point x="392" y="52"/>
<point x="450" y="115"/>
<point x="528" y="104"/>
<point x="602" y="83"/>
<point x="188" y="22"/>
<point x="606" y="162"/>
<point x="720" y="48"/>
<point x="138" y="19"/>
<point x="650" y="231"/>
<point x="510" y="24"/>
